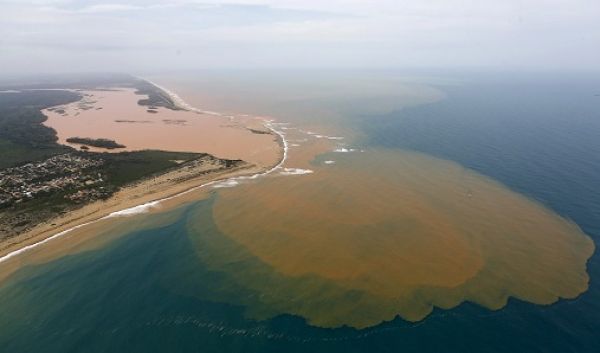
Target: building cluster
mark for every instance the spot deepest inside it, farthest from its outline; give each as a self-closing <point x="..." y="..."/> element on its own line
<point x="75" y="176"/>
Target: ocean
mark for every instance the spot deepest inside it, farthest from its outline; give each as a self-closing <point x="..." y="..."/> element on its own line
<point x="449" y="212"/>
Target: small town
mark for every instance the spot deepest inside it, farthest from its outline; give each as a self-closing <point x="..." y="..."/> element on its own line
<point x="69" y="173"/>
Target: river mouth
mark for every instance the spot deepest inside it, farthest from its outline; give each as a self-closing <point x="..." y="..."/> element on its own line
<point x="349" y="245"/>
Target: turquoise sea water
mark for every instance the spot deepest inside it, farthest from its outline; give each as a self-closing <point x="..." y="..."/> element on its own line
<point x="149" y="291"/>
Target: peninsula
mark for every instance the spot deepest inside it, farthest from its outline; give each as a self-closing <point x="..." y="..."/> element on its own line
<point x="53" y="179"/>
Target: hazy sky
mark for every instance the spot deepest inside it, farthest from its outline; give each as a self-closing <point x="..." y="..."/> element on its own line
<point x="87" y="35"/>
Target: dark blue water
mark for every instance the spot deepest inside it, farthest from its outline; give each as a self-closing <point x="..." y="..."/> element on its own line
<point x="539" y="137"/>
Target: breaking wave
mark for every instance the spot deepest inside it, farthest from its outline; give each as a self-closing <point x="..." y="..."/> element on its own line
<point x="295" y="171"/>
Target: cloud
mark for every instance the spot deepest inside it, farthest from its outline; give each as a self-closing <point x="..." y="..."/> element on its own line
<point x="388" y="33"/>
<point x="108" y="8"/>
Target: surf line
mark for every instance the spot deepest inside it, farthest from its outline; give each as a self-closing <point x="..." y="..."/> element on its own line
<point x="269" y="124"/>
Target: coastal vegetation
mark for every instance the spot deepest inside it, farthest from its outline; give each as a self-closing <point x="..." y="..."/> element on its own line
<point x="23" y="137"/>
<point x="41" y="179"/>
<point x="156" y="97"/>
<point x="38" y="191"/>
<point x="100" y="143"/>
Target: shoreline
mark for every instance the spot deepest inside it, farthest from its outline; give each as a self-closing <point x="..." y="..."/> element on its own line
<point x="137" y="198"/>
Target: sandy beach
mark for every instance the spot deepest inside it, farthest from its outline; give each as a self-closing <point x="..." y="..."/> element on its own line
<point x="159" y="188"/>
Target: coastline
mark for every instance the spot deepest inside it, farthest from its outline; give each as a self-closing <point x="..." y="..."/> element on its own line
<point x="142" y="195"/>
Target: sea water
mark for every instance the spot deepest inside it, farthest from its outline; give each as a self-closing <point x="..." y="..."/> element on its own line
<point x="268" y="265"/>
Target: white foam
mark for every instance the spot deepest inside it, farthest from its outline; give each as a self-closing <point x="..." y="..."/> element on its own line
<point x="320" y="136"/>
<point x="295" y="171"/>
<point x="229" y="183"/>
<point x="344" y="150"/>
<point x="143" y="208"/>
<point x="34" y="245"/>
<point x="329" y="162"/>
